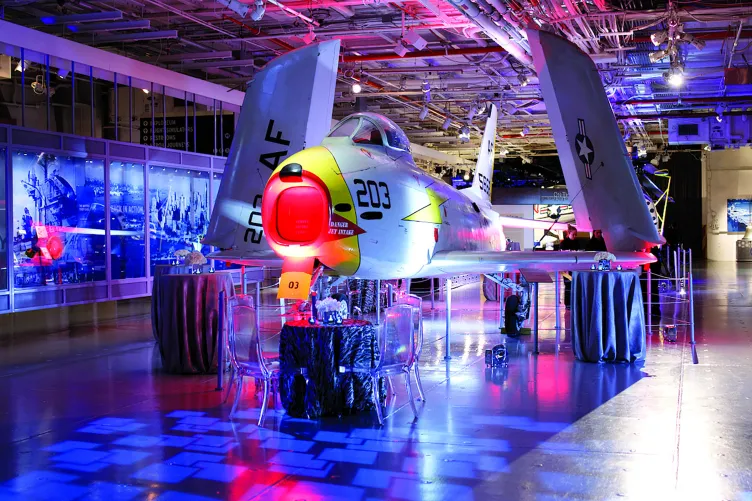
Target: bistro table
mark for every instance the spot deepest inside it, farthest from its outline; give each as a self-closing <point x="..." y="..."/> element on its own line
<point x="316" y="352"/>
<point x="186" y="310"/>
<point x="608" y="323"/>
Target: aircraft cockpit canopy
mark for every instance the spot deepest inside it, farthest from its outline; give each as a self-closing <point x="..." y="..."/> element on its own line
<point x="372" y="129"/>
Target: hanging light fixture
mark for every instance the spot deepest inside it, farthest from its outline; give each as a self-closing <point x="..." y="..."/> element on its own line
<point x="447" y="123"/>
<point x="423" y="112"/>
<point x="464" y="134"/>
<point x="357" y="88"/>
<point x="525" y="131"/>
<point x="523" y="79"/>
<point x="426" y="88"/>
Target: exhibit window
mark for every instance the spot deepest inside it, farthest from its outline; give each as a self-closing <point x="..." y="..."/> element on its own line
<point x="178" y="212"/>
<point x="3" y="226"/>
<point x="58" y="219"/>
<point x="127" y="221"/>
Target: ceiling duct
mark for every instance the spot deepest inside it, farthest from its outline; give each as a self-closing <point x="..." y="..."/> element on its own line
<point x="473" y="12"/>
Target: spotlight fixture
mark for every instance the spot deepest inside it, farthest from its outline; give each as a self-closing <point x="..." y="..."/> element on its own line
<point x="675" y="75"/>
<point x="523" y="79"/>
<point x="503" y="152"/>
<point x="22" y="65"/>
<point x="400" y="49"/>
<point x="525" y="131"/>
<point x="719" y="118"/>
<point x="62" y="73"/>
<point x="473" y="111"/>
<point x="357" y="88"/>
<point x="466" y="177"/>
<point x="309" y="37"/>
<point x="237" y="7"/>
<point x="642" y="151"/>
<point x="426" y="88"/>
<point x="423" y="112"/>
<point x="38" y="85"/>
<point x="259" y="9"/>
<point x="146" y="91"/>
<point x="659" y="38"/>
<point x="447" y="123"/>
<point x="657" y="56"/>
<point x="415" y="40"/>
<point x="464" y="134"/>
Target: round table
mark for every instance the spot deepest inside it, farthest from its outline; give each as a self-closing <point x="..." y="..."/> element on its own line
<point x="186" y="308"/>
<point x="608" y="322"/>
<point x="320" y="350"/>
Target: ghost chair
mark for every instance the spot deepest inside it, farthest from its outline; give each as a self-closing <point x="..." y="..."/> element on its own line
<point x="396" y="347"/>
<point x="246" y="353"/>
<point x="417" y="304"/>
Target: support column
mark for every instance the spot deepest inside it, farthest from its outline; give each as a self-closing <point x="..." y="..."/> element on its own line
<point x="433" y="294"/>
<point x="535" y="318"/>
<point x="447" y="356"/>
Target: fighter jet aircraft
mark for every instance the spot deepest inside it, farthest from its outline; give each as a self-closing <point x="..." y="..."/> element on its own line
<point x="355" y="203"/>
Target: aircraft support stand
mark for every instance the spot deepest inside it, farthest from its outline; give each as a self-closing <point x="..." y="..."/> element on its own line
<point x="433" y="294"/>
<point x="535" y="318"/>
<point x="448" y="317"/>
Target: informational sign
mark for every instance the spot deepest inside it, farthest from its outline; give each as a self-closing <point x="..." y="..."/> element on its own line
<point x="176" y="133"/>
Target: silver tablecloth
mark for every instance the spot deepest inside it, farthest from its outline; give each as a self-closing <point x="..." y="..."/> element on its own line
<point x="185" y="314"/>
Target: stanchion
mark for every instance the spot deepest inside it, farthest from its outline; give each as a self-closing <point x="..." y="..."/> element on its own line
<point x="691" y="302"/>
<point x="501" y="306"/>
<point x="242" y="280"/>
<point x="378" y="302"/>
<point x="433" y="294"/>
<point x="535" y="317"/>
<point x="258" y="306"/>
<point x="557" y="289"/>
<point x="282" y="310"/>
<point x="448" y="317"/>
<point x="676" y="267"/>
<point x="650" y="301"/>
<point x="390" y="294"/>
<point x="220" y="341"/>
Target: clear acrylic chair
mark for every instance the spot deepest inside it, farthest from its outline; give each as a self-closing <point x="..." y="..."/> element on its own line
<point x="417" y="304"/>
<point x="246" y="353"/>
<point x="396" y="345"/>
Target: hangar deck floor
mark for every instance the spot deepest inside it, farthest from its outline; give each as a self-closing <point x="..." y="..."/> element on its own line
<point x="103" y="423"/>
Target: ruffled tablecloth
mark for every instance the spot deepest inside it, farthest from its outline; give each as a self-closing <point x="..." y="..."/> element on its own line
<point x="185" y="313"/>
<point x="608" y="323"/>
<point x="321" y="350"/>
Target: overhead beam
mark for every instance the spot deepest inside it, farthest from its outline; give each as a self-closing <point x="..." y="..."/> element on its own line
<point x="133" y="37"/>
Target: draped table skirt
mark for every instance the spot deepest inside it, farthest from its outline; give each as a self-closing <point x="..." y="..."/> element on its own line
<point x="608" y="322"/>
<point x="186" y="314"/>
<point x="321" y="350"/>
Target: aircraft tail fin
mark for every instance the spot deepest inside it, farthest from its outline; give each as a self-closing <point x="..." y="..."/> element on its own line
<point x="603" y="187"/>
<point x="484" y="167"/>
<point x="287" y="107"/>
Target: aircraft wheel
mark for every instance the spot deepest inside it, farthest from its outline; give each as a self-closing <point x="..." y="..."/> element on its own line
<point x="512" y="324"/>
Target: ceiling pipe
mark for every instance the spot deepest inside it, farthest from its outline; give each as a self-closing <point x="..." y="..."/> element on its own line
<point x="135" y="37"/>
<point x="110" y="15"/>
<point x="194" y="56"/>
<point x="234" y="63"/>
<point x="683" y="100"/>
<point x="140" y="24"/>
<point x="472" y="51"/>
<point x="708" y="36"/>
<point x="666" y="116"/>
<point x="472" y="12"/>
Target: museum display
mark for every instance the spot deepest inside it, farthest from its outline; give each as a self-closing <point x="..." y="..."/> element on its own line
<point x="58" y="218"/>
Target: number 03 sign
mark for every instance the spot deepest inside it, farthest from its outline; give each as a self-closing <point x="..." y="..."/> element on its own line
<point x="295" y="282"/>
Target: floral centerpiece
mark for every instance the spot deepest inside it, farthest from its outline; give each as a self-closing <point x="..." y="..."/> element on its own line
<point x="330" y="310"/>
<point x="195" y="258"/>
<point x="181" y="255"/>
<point x="604" y="260"/>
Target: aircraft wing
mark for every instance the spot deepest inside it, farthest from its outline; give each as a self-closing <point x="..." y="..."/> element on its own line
<point x="451" y="262"/>
<point x="517" y="222"/>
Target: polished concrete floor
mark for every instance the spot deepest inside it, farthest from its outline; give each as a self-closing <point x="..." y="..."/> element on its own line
<point x="99" y="421"/>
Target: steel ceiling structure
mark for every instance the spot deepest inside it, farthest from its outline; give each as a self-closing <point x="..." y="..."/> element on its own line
<point x="431" y="64"/>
